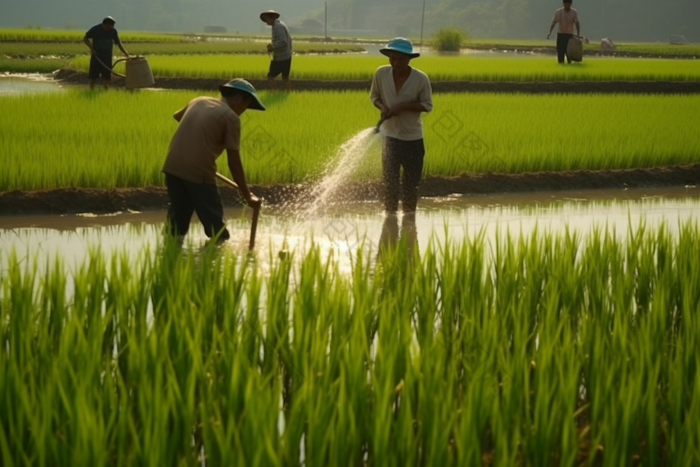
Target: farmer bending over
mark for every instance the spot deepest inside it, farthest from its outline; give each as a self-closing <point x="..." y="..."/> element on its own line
<point x="401" y="93"/>
<point x="207" y="127"/>
<point x="280" y="48"/>
<point x="567" y="18"/>
<point x="103" y="36"/>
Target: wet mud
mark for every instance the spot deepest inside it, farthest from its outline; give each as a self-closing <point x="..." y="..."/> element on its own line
<point x="70" y="76"/>
<point x="77" y="200"/>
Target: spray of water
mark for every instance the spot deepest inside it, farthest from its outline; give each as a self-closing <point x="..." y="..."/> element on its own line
<point x="338" y="170"/>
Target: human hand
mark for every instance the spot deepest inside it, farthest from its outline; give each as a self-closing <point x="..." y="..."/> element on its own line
<point x="549" y="35"/>
<point x="269" y="47"/>
<point x="253" y="201"/>
<point x="395" y="110"/>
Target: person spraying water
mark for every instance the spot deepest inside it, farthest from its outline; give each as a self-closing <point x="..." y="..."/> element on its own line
<point x="401" y="93"/>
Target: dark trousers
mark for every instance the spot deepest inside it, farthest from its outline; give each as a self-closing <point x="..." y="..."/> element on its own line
<point x="562" y="44"/>
<point x="202" y="198"/>
<point x="395" y="155"/>
<point x="97" y="69"/>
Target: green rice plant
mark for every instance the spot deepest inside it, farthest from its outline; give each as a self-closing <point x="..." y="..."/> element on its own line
<point x="657" y="49"/>
<point x="68" y="35"/>
<point x="32" y="65"/>
<point x="438" y="68"/>
<point x="540" y="349"/>
<point x="301" y="132"/>
<point x="646" y="48"/>
<point x="72" y="49"/>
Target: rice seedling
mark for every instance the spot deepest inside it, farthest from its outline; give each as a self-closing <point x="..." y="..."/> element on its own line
<point x="32" y="65"/>
<point x="302" y="131"/>
<point x="439" y="68"/>
<point x="535" y="350"/>
<point x="68" y="35"/>
<point x="72" y="49"/>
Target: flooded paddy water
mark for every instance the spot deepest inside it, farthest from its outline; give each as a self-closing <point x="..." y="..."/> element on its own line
<point x="343" y="229"/>
<point x="27" y="84"/>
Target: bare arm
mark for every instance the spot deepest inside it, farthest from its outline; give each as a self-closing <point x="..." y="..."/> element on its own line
<point x="555" y="20"/>
<point x="236" y="168"/>
<point x="121" y="47"/>
<point x="89" y="44"/>
<point x="578" y="28"/>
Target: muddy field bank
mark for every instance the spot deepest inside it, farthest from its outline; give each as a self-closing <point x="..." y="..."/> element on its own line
<point x="74" y="200"/>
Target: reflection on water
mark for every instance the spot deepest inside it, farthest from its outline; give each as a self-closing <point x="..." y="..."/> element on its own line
<point x="426" y="51"/>
<point x="344" y="230"/>
<point x="15" y="85"/>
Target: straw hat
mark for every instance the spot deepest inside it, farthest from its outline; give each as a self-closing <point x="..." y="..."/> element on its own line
<point x="269" y="12"/>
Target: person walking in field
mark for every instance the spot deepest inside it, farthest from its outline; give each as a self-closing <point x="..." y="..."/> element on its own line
<point x="567" y="18"/>
<point x="401" y="93"/>
<point x="207" y="126"/>
<point x="280" y="48"/>
<point x="103" y="36"/>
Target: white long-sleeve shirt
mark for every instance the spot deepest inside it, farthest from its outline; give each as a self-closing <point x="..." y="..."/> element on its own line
<point x="406" y="126"/>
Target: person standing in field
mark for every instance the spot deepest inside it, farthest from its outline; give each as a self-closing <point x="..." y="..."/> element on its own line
<point x="567" y="18"/>
<point x="207" y="127"/>
<point x="280" y="48"/>
<point x="401" y="93"/>
<point x="102" y="36"/>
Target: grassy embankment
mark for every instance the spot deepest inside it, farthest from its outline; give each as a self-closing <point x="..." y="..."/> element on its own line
<point x="546" y="350"/>
<point x="55" y="140"/>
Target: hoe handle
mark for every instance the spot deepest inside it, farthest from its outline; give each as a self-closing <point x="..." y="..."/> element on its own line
<point x="227" y="180"/>
<point x="256" y="210"/>
<point x="254" y="227"/>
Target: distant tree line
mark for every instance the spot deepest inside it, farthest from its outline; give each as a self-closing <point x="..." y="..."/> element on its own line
<point x="632" y="20"/>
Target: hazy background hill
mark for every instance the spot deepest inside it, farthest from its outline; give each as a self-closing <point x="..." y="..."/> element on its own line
<point x="631" y="20"/>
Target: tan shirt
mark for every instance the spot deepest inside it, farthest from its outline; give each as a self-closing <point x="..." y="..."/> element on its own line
<point x="566" y="20"/>
<point x="406" y="126"/>
<point x="207" y="127"/>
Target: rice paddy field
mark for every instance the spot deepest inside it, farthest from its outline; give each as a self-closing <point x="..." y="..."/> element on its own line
<point x="67" y="35"/>
<point x="126" y="146"/>
<point x="439" y="68"/>
<point x="569" y="347"/>
<point x="167" y="48"/>
<point x="531" y="350"/>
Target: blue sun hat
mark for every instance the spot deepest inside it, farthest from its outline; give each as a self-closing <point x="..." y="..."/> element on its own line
<point x="401" y="45"/>
<point x="245" y="86"/>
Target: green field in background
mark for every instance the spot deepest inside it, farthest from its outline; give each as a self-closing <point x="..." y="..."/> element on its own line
<point x="438" y="68"/>
<point x="54" y="140"/>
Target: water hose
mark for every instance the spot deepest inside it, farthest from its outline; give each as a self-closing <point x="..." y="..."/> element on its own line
<point x="379" y="123"/>
<point x="110" y="68"/>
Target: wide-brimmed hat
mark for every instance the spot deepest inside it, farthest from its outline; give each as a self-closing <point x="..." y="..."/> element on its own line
<point x="245" y="86"/>
<point x="400" y="45"/>
<point x="269" y="12"/>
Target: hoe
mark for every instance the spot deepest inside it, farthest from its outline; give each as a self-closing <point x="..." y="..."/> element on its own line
<point x="256" y="211"/>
